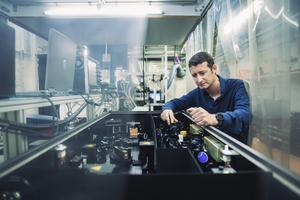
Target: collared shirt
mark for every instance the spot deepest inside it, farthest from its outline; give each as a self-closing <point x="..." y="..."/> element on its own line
<point x="233" y="103"/>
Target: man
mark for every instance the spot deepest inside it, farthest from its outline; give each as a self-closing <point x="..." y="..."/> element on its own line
<point x="216" y="101"/>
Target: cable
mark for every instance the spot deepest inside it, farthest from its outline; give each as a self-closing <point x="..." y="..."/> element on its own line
<point x="58" y="123"/>
<point x="54" y="113"/>
<point x="8" y="128"/>
<point x="12" y="126"/>
<point x="92" y="102"/>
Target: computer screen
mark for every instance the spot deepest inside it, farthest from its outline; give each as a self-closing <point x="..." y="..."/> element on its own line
<point x="60" y="66"/>
<point x="7" y="60"/>
<point x="155" y="96"/>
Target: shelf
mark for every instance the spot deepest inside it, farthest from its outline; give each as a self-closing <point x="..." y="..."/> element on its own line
<point x="21" y="103"/>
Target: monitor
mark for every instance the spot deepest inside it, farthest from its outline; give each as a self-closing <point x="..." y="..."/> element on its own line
<point x="92" y="73"/>
<point x="7" y="60"/>
<point x="60" y="65"/>
<point x="155" y="97"/>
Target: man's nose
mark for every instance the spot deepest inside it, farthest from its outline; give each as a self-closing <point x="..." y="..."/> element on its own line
<point x="198" y="78"/>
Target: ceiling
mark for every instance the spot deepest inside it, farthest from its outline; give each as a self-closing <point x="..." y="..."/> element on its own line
<point x="172" y="28"/>
<point x="153" y="31"/>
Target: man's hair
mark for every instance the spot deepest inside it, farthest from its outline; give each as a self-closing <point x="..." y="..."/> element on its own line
<point x="200" y="58"/>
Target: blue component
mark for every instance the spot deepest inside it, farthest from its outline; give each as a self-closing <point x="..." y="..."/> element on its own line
<point x="202" y="157"/>
<point x="158" y="133"/>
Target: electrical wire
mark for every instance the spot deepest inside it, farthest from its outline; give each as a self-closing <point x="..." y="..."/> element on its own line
<point x="89" y="100"/>
<point x="54" y="113"/>
<point x="8" y="128"/>
<point x="30" y="130"/>
<point x="57" y="123"/>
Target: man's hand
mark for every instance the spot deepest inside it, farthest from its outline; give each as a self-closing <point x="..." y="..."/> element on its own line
<point x="202" y="117"/>
<point x="168" y="115"/>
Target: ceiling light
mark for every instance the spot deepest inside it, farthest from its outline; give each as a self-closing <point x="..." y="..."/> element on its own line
<point x="107" y="10"/>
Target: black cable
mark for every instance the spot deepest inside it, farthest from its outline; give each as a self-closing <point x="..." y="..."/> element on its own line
<point x="58" y="123"/>
<point x="23" y="131"/>
<point x="54" y="112"/>
<point x="26" y="127"/>
<point x="88" y="101"/>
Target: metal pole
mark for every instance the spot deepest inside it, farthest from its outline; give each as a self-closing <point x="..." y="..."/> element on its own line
<point x="166" y="70"/>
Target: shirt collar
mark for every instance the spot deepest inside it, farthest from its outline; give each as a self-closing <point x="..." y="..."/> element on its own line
<point x="222" y="85"/>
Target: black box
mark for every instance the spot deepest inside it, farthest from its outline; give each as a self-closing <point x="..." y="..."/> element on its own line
<point x="176" y="161"/>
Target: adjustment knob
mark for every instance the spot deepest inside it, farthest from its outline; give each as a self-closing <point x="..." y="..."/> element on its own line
<point x="202" y="157"/>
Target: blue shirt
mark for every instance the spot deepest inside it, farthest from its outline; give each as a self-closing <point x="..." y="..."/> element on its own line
<point x="233" y="103"/>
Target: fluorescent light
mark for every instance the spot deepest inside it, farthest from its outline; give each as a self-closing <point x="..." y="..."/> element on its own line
<point x="107" y="10"/>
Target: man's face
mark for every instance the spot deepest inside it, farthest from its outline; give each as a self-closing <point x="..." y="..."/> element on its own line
<point x="203" y="76"/>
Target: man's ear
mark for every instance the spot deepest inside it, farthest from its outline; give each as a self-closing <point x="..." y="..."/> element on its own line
<point x="214" y="68"/>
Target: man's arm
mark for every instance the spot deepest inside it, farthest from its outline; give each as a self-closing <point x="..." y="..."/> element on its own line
<point x="237" y="121"/>
<point x="168" y="116"/>
<point x="175" y="105"/>
<point x="182" y="103"/>
<point x="202" y="117"/>
<point x="234" y="122"/>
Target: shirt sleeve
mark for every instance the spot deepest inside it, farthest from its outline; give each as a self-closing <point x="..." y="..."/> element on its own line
<point x="182" y="103"/>
<point x="238" y="120"/>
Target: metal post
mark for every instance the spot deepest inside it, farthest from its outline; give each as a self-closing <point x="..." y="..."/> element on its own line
<point x="144" y="86"/>
<point x="90" y="112"/>
<point x="14" y="144"/>
<point x="166" y="71"/>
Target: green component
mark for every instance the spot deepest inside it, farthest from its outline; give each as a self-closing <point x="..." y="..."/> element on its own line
<point x="214" y="147"/>
<point x="195" y="129"/>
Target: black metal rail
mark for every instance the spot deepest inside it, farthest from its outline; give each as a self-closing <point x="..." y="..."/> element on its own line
<point x="20" y="160"/>
<point x="285" y="177"/>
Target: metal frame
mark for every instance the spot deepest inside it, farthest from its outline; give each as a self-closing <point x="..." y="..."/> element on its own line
<point x="20" y="160"/>
<point x="281" y="174"/>
<point x="15" y="104"/>
<point x="14" y="108"/>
